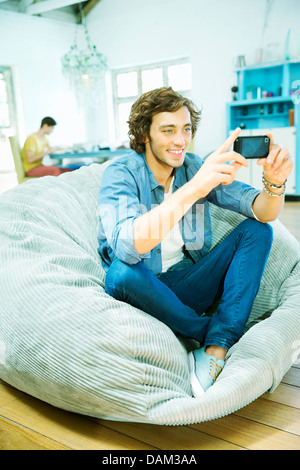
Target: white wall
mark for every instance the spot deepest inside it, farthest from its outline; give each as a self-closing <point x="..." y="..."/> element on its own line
<point x="33" y="47"/>
<point x="211" y="32"/>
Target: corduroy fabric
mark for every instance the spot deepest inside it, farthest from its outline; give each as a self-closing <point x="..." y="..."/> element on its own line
<point x="66" y="342"/>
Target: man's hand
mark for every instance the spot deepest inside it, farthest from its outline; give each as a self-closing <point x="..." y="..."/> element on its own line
<point x="278" y="164"/>
<point x="50" y="150"/>
<point x="277" y="167"/>
<point x="219" y="168"/>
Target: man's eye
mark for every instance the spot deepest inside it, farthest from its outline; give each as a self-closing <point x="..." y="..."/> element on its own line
<point x="188" y="129"/>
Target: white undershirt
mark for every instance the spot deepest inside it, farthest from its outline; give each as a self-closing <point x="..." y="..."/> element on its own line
<point x="171" y="245"/>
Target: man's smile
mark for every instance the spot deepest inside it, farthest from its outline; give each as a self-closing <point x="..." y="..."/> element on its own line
<point x="176" y="152"/>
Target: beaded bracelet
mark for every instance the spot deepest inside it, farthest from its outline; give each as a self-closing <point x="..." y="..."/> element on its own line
<point x="277" y="186"/>
<point x="265" y="183"/>
<point x="273" y="194"/>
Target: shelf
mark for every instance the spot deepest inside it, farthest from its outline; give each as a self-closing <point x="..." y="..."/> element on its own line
<point x="266" y="65"/>
<point x="255" y="114"/>
<point x="261" y="116"/>
<point x="269" y="100"/>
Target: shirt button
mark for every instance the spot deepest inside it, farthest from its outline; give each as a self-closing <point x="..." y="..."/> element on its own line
<point x="158" y="250"/>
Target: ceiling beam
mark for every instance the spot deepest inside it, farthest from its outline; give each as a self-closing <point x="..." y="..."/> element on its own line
<point x="86" y="7"/>
<point x="89" y="6"/>
<point x="47" y="5"/>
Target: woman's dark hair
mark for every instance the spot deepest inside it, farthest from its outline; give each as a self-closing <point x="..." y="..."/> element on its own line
<point x="153" y="102"/>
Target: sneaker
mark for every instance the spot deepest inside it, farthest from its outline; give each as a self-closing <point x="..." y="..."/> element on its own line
<point x="204" y="370"/>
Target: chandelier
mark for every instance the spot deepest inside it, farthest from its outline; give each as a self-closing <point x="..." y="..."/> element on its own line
<point x="85" y="69"/>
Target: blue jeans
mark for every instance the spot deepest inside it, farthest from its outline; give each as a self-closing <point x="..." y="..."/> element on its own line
<point x="231" y="272"/>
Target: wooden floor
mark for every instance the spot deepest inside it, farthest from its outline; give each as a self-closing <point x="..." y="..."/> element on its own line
<point x="272" y="422"/>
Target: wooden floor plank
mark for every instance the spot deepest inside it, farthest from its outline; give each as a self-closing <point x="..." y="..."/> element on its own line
<point x="7" y="395"/>
<point x="172" y="437"/>
<point x="292" y="377"/>
<point x="284" y="394"/>
<point x="249" y="434"/>
<point x="69" y="429"/>
<point x="16" y="437"/>
<point x="276" y="415"/>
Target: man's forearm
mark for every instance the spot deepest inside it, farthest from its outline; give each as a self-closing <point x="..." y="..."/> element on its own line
<point x="151" y="228"/>
<point x="31" y="157"/>
<point x="267" y="208"/>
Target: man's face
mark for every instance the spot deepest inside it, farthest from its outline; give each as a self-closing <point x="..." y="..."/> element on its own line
<point x="170" y="136"/>
<point x="48" y="129"/>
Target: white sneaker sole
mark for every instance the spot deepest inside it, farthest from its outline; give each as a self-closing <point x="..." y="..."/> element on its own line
<point x="196" y="387"/>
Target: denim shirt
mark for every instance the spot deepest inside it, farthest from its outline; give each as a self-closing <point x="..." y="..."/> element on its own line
<point x="129" y="189"/>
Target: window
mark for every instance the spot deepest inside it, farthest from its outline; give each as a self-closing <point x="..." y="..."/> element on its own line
<point x="130" y="83"/>
<point x="7" y="127"/>
<point x="4" y="108"/>
<point x="8" y="124"/>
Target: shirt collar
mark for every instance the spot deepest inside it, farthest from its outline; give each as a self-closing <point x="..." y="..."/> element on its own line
<point x="179" y="176"/>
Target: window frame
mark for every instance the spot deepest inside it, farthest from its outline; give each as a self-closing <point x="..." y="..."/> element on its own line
<point x="10" y="101"/>
<point x="7" y="165"/>
<point x="139" y="69"/>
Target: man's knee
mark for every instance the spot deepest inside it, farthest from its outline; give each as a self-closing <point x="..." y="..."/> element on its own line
<point x="261" y="228"/>
<point x="52" y="171"/>
<point x="262" y="232"/>
<point x="121" y="274"/>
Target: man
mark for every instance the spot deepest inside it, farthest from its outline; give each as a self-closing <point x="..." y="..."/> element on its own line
<point x="155" y="232"/>
<point x="36" y="147"/>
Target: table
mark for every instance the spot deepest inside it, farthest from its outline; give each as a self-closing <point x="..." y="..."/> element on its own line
<point x="84" y="158"/>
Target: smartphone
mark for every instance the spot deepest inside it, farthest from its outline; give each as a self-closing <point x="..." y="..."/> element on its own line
<point x="254" y="146"/>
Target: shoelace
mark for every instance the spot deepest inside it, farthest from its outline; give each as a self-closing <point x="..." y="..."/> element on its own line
<point x="215" y="369"/>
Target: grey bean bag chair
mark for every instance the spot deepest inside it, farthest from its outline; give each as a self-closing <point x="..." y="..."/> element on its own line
<point x="66" y="342"/>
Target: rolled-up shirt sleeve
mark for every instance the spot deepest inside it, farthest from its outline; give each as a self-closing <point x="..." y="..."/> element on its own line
<point x="119" y="206"/>
<point x="236" y="196"/>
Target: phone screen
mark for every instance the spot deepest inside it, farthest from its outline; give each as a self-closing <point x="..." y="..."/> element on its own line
<point x="252" y="146"/>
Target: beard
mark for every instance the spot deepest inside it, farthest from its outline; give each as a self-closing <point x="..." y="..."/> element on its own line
<point x="162" y="156"/>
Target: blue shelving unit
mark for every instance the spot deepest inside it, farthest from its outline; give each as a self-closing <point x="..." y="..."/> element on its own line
<point x="267" y="99"/>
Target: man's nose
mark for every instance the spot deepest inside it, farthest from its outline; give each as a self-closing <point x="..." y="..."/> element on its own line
<point x="179" y="139"/>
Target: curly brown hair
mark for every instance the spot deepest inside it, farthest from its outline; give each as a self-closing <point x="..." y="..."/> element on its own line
<point x="153" y="102"/>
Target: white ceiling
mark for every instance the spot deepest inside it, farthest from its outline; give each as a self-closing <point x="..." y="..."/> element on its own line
<point x="68" y="10"/>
